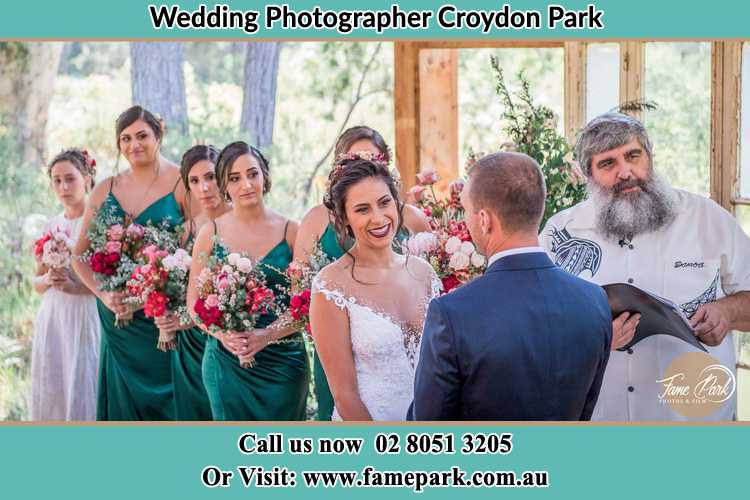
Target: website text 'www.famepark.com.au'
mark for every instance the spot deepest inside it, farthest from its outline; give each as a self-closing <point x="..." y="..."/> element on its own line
<point x="370" y="477"/>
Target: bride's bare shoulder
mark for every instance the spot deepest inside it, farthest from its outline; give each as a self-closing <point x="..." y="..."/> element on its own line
<point x="335" y="272"/>
<point x="419" y="268"/>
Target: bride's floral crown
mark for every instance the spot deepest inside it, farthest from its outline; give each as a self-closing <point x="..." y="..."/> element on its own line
<point x="344" y="160"/>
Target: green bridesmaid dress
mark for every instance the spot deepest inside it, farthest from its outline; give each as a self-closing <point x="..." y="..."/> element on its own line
<point x="190" y="396"/>
<point x="329" y="244"/>
<point x="135" y="378"/>
<point x="275" y="388"/>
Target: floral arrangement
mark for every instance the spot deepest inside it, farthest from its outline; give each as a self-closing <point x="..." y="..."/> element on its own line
<point x="532" y="129"/>
<point x="448" y="247"/>
<point x="53" y="249"/>
<point x="116" y="250"/>
<point x="232" y="296"/>
<point x="301" y="276"/>
<point x="160" y="285"/>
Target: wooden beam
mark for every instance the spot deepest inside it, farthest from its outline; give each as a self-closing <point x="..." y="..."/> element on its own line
<point x="489" y="44"/>
<point x="726" y="69"/>
<point x="438" y="113"/>
<point x="632" y="71"/>
<point x="406" y="110"/>
<point x="575" y="89"/>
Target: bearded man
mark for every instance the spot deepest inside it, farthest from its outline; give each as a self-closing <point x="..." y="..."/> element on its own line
<point x="635" y="228"/>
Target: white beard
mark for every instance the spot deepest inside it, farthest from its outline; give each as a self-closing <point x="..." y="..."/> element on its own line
<point x="625" y="215"/>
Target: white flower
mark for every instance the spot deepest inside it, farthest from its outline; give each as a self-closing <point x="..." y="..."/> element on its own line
<point x="169" y="262"/>
<point x="453" y="245"/>
<point x="477" y="259"/>
<point x="422" y="243"/>
<point x="233" y="259"/>
<point x="459" y="261"/>
<point x="467" y="247"/>
<point x="245" y="265"/>
<point x="227" y="269"/>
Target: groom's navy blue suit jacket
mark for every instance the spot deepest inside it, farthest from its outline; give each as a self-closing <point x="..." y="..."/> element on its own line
<point x="526" y="341"/>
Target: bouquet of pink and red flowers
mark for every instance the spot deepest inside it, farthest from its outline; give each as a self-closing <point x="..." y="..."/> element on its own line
<point x="116" y="250"/>
<point x="160" y="285"/>
<point x="301" y="276"/>
<point x="53" y="249"/>
<point x="232" y="296"/>
<point x="448" y="247"/>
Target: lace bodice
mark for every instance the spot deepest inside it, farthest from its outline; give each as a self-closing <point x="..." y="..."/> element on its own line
<point x="385" y="350"/>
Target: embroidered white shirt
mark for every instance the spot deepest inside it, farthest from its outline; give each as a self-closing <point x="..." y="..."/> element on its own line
<point x="702" y="256"/>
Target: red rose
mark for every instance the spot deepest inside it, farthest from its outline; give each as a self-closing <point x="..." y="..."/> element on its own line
<point x="39" y="245"/>
<point x="296" y="302"/>
<point x="450" y="282"/>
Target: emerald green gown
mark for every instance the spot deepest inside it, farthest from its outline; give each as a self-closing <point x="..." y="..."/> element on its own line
<point x="135" y="378"/>
<point x="329" y="244"/>
<point x="190" y="396"/>
<point x="275" y="388"/>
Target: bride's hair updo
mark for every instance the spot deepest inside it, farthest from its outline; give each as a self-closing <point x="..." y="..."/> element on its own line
<point x="348" y="171"/>
<point x="80" y="159"/>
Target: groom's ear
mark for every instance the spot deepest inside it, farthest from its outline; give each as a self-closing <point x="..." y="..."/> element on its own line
<point x="485" y="221"/>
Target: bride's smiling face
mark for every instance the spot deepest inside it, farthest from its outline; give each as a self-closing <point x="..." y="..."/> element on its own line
<point x="371" y="213"/>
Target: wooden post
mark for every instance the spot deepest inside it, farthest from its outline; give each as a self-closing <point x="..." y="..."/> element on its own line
<point x="575" y="89"/>
<point x="632" y="70"/>
<point x="726" y="69"/>
<point x="406" y="110"/>
<point x="438" y="113"/>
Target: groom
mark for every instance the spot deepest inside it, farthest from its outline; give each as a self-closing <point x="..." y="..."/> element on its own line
<point x="526" y="341"/>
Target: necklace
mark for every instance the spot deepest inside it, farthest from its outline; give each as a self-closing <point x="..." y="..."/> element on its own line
<point x="148" y="189"/>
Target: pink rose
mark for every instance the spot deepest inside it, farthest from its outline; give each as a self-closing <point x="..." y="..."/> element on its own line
<point x="427" y="176"/>
<point x="135" y="231"/>
<point x="115" y="232"/>
<point x="415" y="194"/>
<point x="212" y="300"/>
<point x="113" y="246"/>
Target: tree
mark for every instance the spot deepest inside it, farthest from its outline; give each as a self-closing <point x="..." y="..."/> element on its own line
<point x="158" y="81"/>
<point x="349" y="68"/>
<point x="259" y="98"/>
<point x="27" y="77"/>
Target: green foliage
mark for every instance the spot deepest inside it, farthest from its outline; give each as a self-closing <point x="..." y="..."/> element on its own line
<point x="23" y="193"/>
<point x="532" y="129"/>
<point x="678" y="77"/>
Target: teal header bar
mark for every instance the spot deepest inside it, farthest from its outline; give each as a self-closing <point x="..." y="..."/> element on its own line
<point x="174" y="461"/>
<point x="374" y="19"/>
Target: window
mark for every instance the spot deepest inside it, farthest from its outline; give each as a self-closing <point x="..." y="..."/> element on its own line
<point x="744" y="185"/>
<point x="602" y="78"/>
<point x="480" y="109"/>
<point x="678" y="81"/>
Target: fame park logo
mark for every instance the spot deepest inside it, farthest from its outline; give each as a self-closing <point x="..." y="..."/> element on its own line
<point x="696" y="384"/>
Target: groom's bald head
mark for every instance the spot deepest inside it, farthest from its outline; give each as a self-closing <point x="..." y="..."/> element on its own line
<point x="511" y="186"/>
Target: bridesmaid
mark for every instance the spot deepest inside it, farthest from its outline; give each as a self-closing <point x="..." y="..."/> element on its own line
<point x="198" y="174"/>
<point x="65" y="352"/>
<point x="275" y="388"/>
<point x="135" y="379"/>
<point x="317" y="227"/>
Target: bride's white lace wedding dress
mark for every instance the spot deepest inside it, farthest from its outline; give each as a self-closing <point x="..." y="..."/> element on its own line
<point x="386" y="351"/>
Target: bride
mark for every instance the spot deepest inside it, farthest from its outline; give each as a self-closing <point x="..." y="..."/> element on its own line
<point x="368" y="307"/>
